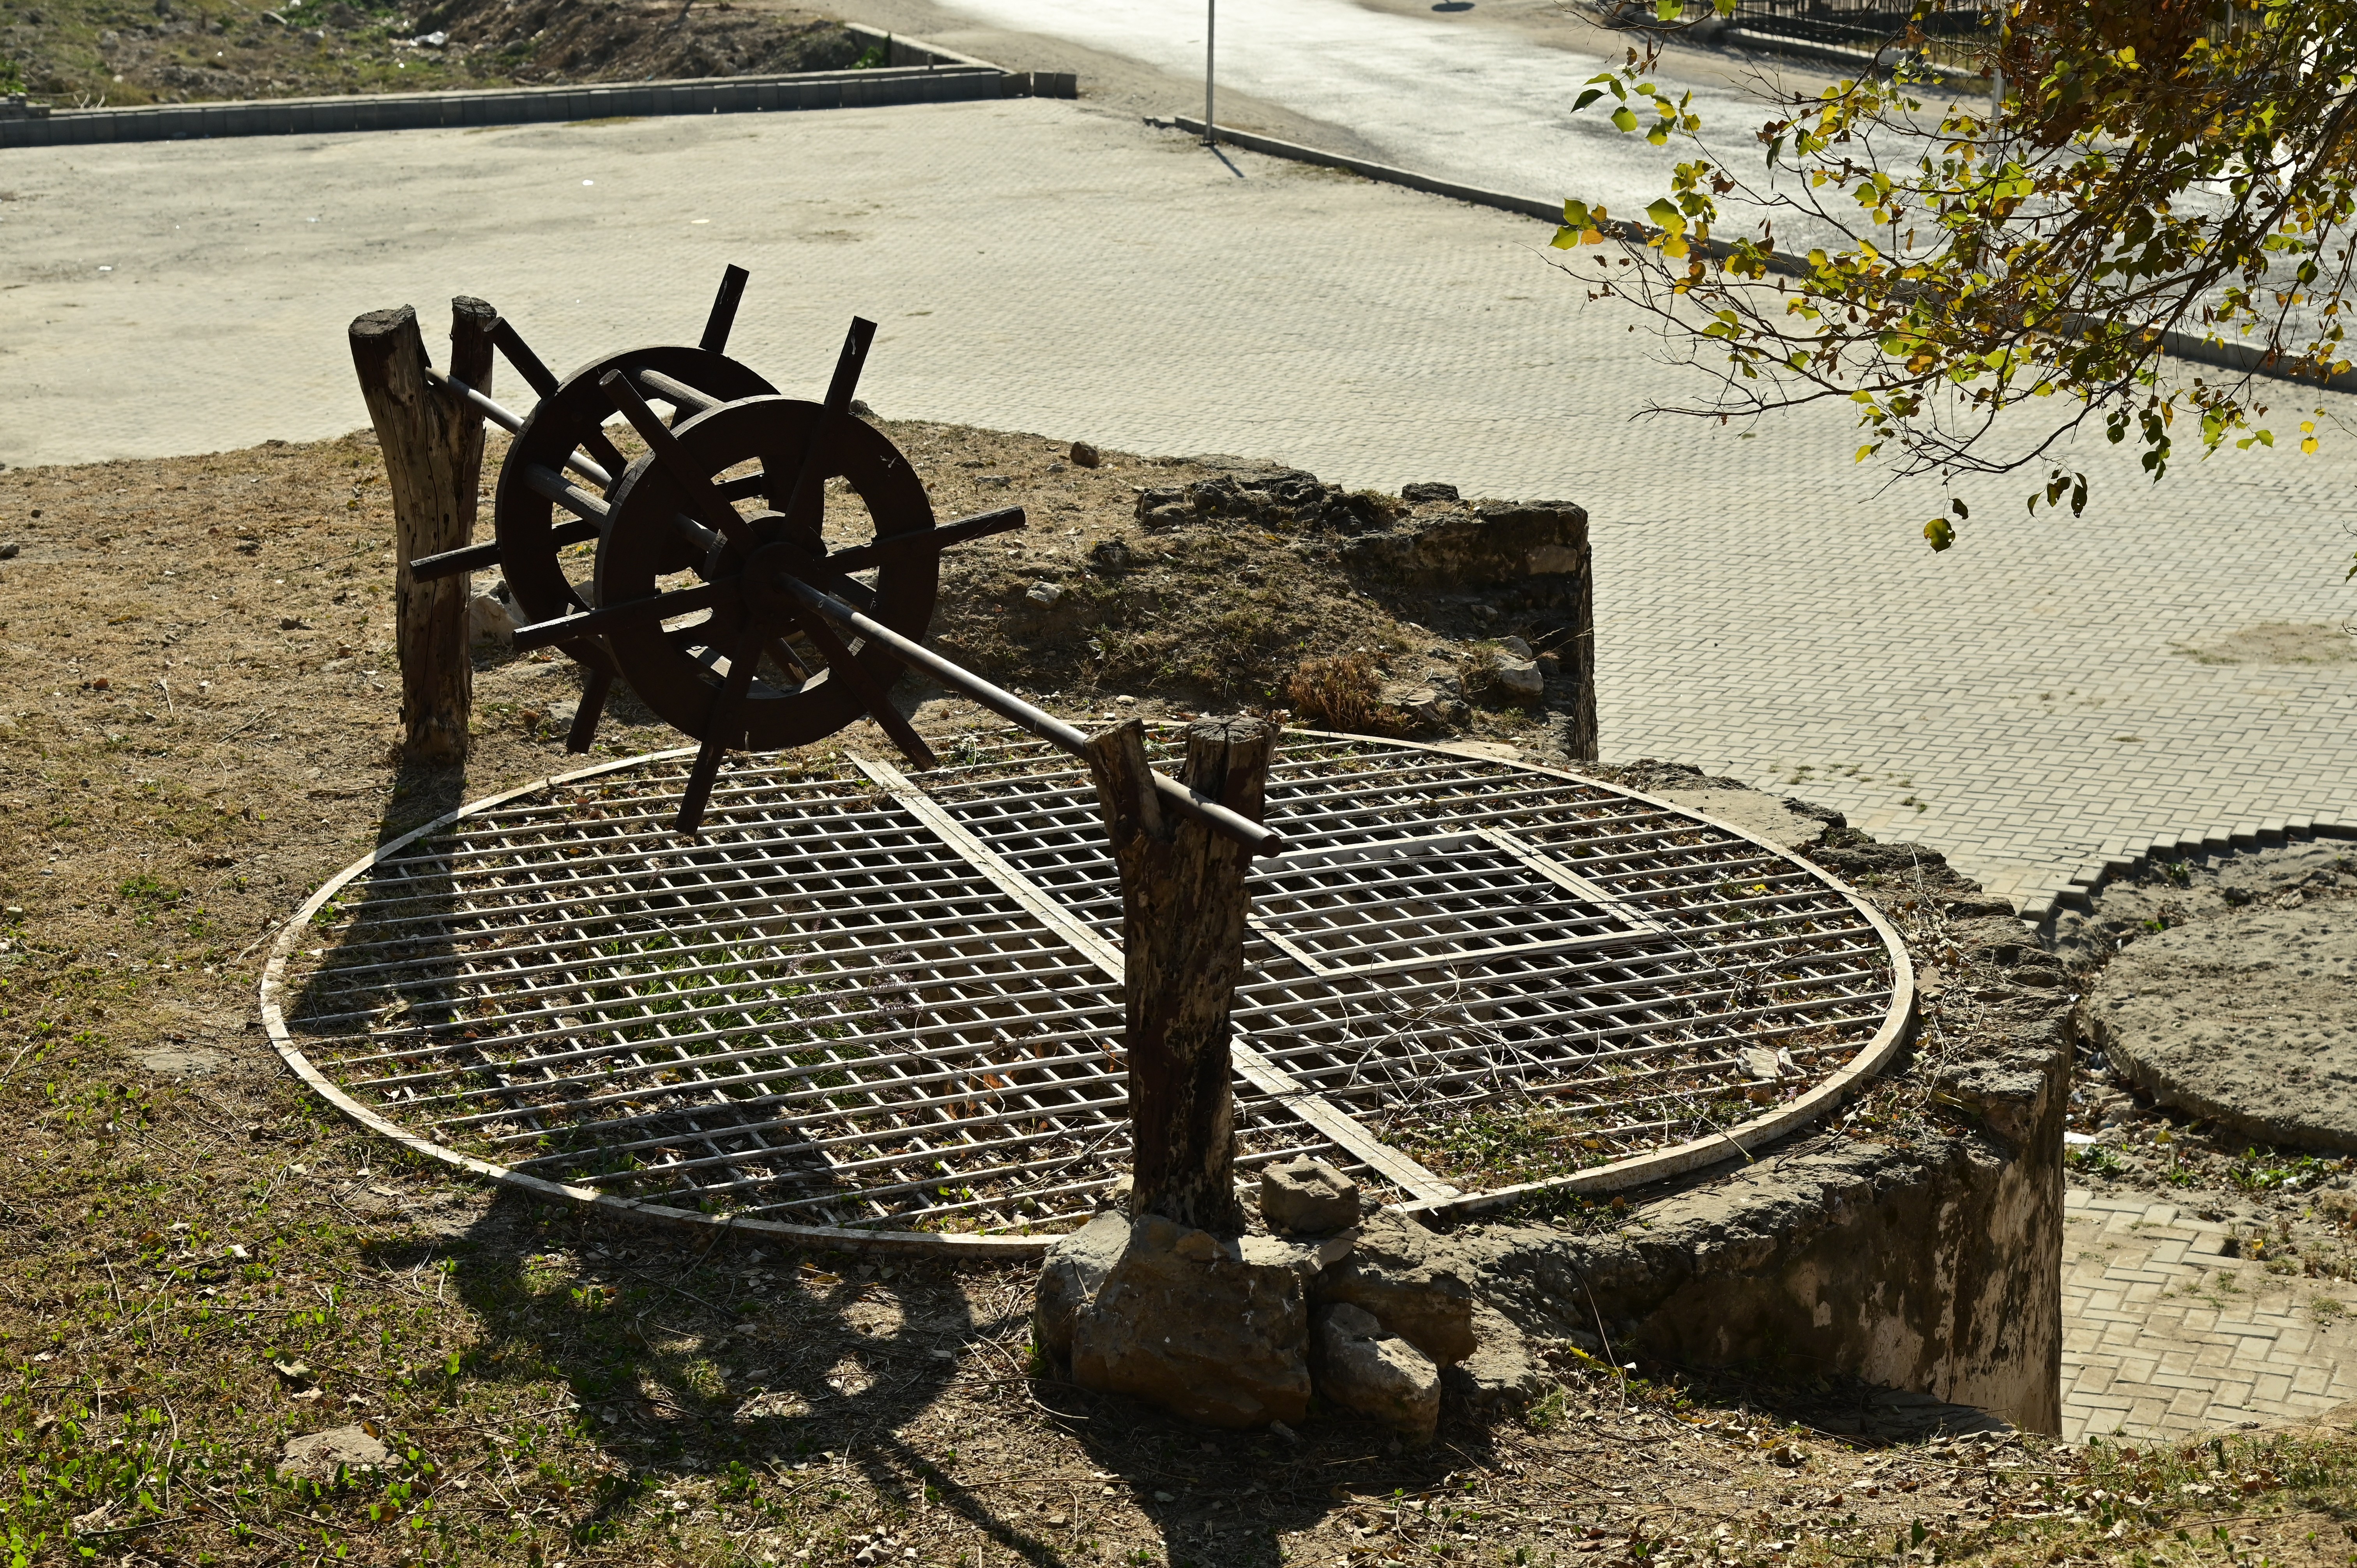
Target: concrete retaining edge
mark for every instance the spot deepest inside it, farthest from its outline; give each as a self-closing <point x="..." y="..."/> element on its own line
<point x="1751" y="40"/>
<point x="916" y="72"/>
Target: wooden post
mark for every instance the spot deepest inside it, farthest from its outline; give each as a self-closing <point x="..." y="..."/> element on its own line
<point x="433" y="446"/>
<point x="1183" y="907"/>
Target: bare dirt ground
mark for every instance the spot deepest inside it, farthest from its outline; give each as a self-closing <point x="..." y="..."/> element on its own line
<point x="198" y="727"/>
<point x="114" y="53"/>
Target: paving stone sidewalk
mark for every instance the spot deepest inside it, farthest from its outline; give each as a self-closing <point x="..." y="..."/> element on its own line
<point x="2164" y="1337"/>
<point x="2050" y="693"/>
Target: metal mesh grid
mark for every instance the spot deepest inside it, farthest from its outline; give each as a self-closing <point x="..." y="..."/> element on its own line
<point x="867" y="1000"/>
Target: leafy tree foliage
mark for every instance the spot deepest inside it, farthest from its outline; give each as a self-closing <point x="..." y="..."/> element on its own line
<point x="1983" y="268"/>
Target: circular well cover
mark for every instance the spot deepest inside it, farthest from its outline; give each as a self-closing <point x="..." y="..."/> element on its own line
<point x="887" y="1010"/>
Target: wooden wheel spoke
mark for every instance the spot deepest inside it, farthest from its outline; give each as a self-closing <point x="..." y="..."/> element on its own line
<point x="597" y="622"/>
<point x="809" y="489"/>
<point x="703" y="501"/>
<point x="510" y="342"/>
<point x="592" y="708"/>
<point x="783" y="656"/>
<point x="1006" y="520"/>
<point x="858" y="594"/>
<point x="871" y="695"/>
<point x="727" y="719"/>
<point x="704" y="539"/>
<point x="722" y="318"/>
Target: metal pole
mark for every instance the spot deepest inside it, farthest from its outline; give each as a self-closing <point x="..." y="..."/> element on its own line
<point x="1256" y="838"/>
<point x="1997" y="76"/>
<point x="1211" y="26"/>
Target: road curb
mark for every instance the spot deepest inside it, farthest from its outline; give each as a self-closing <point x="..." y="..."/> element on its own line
<point x="1528" y="206"/>
<point x="915" y="72"/>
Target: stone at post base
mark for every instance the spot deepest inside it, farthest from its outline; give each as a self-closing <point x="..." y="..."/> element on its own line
<point x="1306" y="1197"/>
<point x="1500" y="1376"/>
<point x="1217" y="1331"/>
<point x="1411" y="1282"/>
<point x="1364" y="1368"/>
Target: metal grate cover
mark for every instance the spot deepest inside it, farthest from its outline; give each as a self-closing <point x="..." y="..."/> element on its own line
<point x="888" y="1009"/>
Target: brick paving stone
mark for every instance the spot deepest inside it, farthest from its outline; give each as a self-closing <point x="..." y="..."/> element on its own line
<point x="2146" y="1356"/>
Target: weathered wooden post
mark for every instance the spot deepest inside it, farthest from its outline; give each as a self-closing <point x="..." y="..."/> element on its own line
<point x="1183" y="907"/>
<point x="432" y="446"/>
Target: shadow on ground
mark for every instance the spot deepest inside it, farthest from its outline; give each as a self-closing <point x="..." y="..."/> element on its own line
<point x="769" y="1368"/>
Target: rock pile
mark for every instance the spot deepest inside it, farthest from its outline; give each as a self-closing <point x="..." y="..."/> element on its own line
<point x="1374" y="1315"/>
<point x="1426" y="536"/>
<point x="1289" y="500"/>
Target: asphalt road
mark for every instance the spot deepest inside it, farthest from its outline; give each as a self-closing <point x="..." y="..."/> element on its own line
<point x="1444" y="93"/>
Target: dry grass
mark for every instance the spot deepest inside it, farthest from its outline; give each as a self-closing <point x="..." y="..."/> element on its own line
<point x="1341" y="691"/>
<point x="106" y="53"/>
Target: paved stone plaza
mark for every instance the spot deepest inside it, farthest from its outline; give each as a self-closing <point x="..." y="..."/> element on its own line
<point x="2164" y="1334"/>
<point x="2046" y="693"/>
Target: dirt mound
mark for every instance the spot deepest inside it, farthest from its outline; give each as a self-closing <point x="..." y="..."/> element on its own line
<point x="93" y="53"/>
<point x="620" y="40"/>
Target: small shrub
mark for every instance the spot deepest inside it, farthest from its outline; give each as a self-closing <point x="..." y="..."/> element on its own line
<point x="1337" y="693"/>
<point x="2095" y="1157"/>
<point x="1479" y="674"/>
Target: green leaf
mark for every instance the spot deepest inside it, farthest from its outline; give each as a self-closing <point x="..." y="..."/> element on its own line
<point x="1574" y="213"/>
<point x="1624" y="119"/>
<point x="1941" y="536"/>
<point x="1565" y="238"/>
<point x="1587" y="98"/>
<point x="1666" y="214"/>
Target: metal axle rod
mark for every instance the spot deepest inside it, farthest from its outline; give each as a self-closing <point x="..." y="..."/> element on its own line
<point x="1255" y="836"/>
<point x="511" y="421"/>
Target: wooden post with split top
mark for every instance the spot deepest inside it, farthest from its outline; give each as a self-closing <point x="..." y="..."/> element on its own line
<point x="432" y="446"/>
<point x="1183" y="907"/>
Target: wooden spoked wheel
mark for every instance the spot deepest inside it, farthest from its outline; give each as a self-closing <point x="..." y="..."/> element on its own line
<point x="545" y="501"/>
<point x="725" y="654"/>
